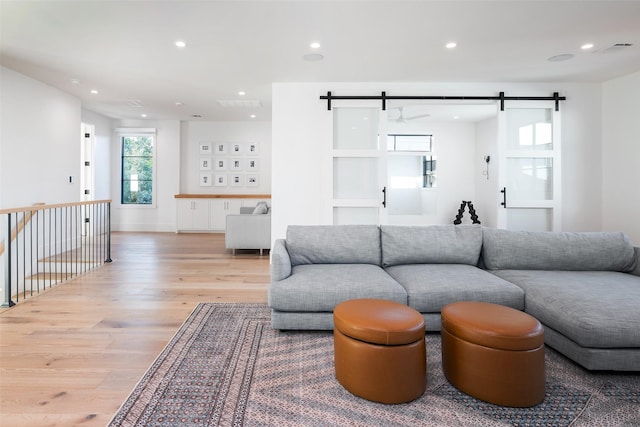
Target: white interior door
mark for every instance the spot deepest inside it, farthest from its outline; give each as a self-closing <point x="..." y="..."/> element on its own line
<point x="87" y="175"/>
<point x="359" y="144"/>
<point x="529" y="167"/>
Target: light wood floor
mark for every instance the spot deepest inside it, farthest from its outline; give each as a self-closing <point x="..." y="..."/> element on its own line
<point x="71" y="355"/>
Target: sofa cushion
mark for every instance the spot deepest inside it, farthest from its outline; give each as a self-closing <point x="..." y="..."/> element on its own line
<point x="319" y="287"/>
<point x="530" y="250"/>
<point x="334" y="244"/>
<point x="432" y="244"/>
<point x="597" y="309"/>
<point x="432" y="286"/>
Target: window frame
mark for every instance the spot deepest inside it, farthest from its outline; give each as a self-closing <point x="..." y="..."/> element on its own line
<point x="138" y="132"/>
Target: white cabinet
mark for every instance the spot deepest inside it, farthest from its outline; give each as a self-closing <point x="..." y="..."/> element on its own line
<point x="193" y="214"/>
<point x="209" y="214"/>
<point x="219" y="209"/>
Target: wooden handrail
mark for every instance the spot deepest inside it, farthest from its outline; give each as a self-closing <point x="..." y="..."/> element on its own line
<point x="29" y="212"/>
<point x="20" y="226"/>
<point x="57" y="205"/>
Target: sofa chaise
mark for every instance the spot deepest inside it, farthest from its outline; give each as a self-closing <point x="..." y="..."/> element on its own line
<point x="583" y="287"/>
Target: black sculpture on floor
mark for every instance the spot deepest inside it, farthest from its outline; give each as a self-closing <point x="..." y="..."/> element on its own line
<point x="472" y="212"/>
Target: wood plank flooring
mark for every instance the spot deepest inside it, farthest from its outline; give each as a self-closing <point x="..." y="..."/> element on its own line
<point x="71" y="355"/>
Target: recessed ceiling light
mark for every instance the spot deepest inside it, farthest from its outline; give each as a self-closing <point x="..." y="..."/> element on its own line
<point x="179" y="104"/>
<point x="560" y="58"/>
<point x="181" y="44"/>
<point x="75" y="81"/>
<point x="451" y="45"/>
<point x="93" y="91"/>
<point x="143" y="115"/>
<point x="242" y="93"/>
<point x="315" y="45"/>
<point x="456" y="117"/>
<point x="313" y="57"/>
<point x="253" y="116"/>
<point x="586" y="46"/>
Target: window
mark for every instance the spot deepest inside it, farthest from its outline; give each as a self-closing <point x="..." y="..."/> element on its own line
<point x="137" y="169"/>
<point x="411" y="162"/>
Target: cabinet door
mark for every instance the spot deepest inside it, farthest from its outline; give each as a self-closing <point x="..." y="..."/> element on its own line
<point x="192" y="214"/>
<point x="220" y="208"/>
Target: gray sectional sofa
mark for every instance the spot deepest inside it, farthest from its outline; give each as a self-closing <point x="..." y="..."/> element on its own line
<point x="583" y="287"/>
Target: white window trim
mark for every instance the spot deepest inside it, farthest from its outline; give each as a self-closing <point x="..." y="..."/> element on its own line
<point x="138" y="132"/>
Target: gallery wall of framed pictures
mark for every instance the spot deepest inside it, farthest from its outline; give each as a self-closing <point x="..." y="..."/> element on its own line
<point x="229" y="164"/>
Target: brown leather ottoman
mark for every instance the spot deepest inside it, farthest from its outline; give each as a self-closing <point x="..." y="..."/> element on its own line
<point x="380" y="351"/>
<point x="494" y="353"/>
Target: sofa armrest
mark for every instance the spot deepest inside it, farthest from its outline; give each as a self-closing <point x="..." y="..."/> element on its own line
<point x="248" y="231"/>
<point x="280" y="261"/>
<point x="636" y="270"/>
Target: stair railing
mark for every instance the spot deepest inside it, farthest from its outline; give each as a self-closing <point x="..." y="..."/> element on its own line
<point x="49" y="244"/>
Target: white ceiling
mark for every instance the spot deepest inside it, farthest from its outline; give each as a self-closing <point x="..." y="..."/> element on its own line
<point x="125" y="49"/>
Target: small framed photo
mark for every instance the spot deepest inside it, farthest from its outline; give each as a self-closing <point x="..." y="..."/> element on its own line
<point x="220" y="164"/>
<point x="221" y="180"/>
<point x="236" y="164"/>
<point x="236" y="148"/>
<point x="252" y="180"/>
<point x="252" y="165"/>
<point x="205" y="180"/>
<point x="253" y="149"/>
<point x="221" y="148"/>
<point x="205" y="148"/>
<point x="236" y="180"/>
<point x="205" y="163"/>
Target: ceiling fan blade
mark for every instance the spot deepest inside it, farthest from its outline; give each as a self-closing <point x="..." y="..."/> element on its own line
<point x="419" y="116"/>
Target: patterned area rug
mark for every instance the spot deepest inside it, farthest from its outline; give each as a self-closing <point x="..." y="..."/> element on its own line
<point x="226" y="366"/>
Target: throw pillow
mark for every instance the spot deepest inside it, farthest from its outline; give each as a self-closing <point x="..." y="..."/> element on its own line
<point x="260" y="209"/>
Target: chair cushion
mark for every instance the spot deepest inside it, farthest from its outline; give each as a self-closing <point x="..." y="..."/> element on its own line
<point x="432" y="286"/>
<point x="597" y="309"/>
<point x="320" y="287"/>
<point x="432" y="244"/>
<point x="531" y="250"/>
<point x="334" y="244"/>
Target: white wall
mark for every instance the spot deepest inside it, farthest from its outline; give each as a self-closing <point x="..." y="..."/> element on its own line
<point x="193" y="133"/>
<point x="39" y="143"/>
<point x="621" y="155"/>
<point x="161" y="216"/>
<point x="581" y="169"/>
<point x="486" y="200"/>
<point x="302" y="140"/>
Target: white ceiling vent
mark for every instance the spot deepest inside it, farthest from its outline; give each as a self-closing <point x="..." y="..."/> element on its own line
<point x="135" y="103"/>
<point x="618" y="47"/>
<point x="239" y="103"/>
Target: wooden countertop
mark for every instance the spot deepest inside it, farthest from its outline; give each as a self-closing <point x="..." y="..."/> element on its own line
<point x="222" y="196"/>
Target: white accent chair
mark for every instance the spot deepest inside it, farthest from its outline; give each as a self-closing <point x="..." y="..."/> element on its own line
<point x="248" y="230"/>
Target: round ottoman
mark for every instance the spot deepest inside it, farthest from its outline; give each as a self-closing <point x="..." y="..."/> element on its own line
<point x="379" y="350"/>
<point x="493" y="353"/>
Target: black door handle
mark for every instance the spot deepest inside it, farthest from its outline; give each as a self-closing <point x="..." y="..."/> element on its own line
<point x="384" y="197"/>
<point x="504" y="197"/>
